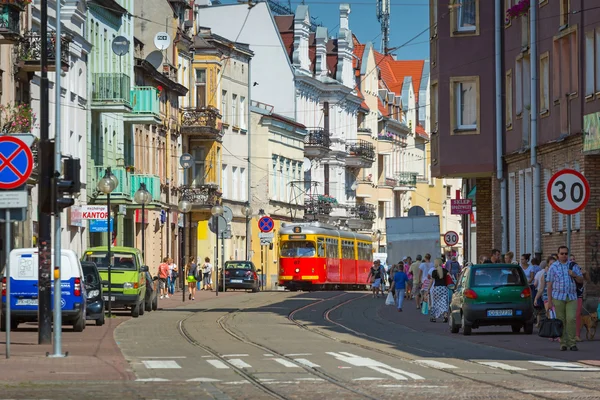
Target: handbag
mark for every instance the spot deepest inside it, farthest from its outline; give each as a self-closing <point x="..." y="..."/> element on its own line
<point x="551" y="327"/>
<point x="425" y="308"/>
<point x="389" y="301"/>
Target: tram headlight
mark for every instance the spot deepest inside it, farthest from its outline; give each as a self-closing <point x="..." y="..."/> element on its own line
<point x="297" y="270"/>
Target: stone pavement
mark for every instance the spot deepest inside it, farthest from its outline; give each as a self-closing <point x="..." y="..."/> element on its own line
<point x="92" y="354"/>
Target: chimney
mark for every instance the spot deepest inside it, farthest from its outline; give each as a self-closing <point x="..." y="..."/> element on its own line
<point x="345" y="43"/>
<point x="321" y="58"/>
<point x="301" y="58"/>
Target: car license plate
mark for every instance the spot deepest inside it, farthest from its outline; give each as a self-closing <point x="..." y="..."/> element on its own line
<point x="236" y="281"/>
<point x="112" y="298"/>
<point x="499" y="313"/>
<point x="27" y="302"/>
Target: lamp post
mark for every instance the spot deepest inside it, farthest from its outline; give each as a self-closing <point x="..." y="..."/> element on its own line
<point x="106" y="185"/>
<point x="247" y="210"/>
<point x="377" y="236"/>
<point x="216" y="212"/>
<point x="142" y="196"/>
<point x="184" y="207"/>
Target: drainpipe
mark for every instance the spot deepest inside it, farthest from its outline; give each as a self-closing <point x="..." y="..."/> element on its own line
<point x="249" y="167"/>
<point x="499" y="131"/>
<point x="537" y="187"/>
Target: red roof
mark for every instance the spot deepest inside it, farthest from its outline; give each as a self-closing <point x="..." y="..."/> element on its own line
<point x="414" y="69"/>
<point x="419" y="130"/>
<point x="363" y="105"/>
<point x="381" y="108"/>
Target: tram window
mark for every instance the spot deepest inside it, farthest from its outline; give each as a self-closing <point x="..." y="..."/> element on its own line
<point x="320" y="247"/>
<point x="298" y="249"/>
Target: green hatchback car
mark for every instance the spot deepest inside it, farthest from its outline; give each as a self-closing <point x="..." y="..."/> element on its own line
<point x="491" y="295"/>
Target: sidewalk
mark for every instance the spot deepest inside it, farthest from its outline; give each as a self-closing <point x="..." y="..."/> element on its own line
<point x="93" y="353"/>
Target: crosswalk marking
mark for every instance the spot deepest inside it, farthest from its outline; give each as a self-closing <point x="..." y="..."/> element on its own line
<point x="203" y="380"/>
<point x="152" y="380"/>
<point x="367" y="378"/>
<point x="306" y="363"/>
<point x="380" y="367"/>
<point x="236" y="362"/>
<point x="217" y="364"/>
<point x="286" y="363"/>
<point x="499" y="365"/>
<point x="566" y="366"/>
<point x="161" y="364"/>
<point x="435" y="364"/>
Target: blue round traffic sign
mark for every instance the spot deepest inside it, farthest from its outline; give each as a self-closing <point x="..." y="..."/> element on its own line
<point x="16" y="162"/>
<point x="266" y="224"/>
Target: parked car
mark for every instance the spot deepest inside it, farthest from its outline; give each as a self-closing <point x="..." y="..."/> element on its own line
<point x="491" y="295"/>
<point x="241" y="275"/>
<point x="24" y="289"/>
<point x="151" y="298"/>
<point x="93" y="287"/>
<point x="128" y="277"/>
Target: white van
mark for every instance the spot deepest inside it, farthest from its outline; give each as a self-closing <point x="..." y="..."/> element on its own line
<point x="24" y="289"/>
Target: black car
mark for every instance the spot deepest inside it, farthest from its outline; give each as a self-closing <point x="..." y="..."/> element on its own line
<point x="93" y="287"/>
<point x="241" y="275"/>
<point x="151" y="299"/>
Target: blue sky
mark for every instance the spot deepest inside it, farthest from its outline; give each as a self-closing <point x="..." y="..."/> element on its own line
<point x="408" y="18"/>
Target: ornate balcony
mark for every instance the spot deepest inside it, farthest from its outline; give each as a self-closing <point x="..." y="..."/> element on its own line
<point x="145" y="105"/>
<point x="10" y="24"/>
<point x="201" y="196"/>
<point x="361" y="154"/>
<point x="314" y="208"/>
<point x="111" y="92"/>
<point x="362" y="216"/>
<point x="316" y="143"/>
<point x="202" y="123"/>
<point x="29" y="52"/>
<point x="406" y="181"/>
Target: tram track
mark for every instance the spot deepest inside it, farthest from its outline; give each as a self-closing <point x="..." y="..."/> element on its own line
<point x="327" y="317"/>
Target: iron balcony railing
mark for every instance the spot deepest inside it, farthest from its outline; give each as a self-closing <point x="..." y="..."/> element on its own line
<point x="152" y="185"/>
<point x="314" y="206"/>
<point x="406" y="178"/>
<point x="124" y="186"/>
<point x="203" y="195"/>
<point x="317" y="138"/>
<point x="361" y="148"/>
<point x="201" y="119"/>
<point x="363" y="211"/>
<point x="111" y="88"/>
<point x="30" y="48"/>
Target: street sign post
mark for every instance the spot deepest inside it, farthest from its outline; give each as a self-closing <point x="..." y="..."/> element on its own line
<point x="266" y="238"/>
<point x="568" y="192"/>
<point x="266" y="224"/>
<point x="451" y="238"/>
<point x="16" y="164"/>
<point x="186" y="161"/>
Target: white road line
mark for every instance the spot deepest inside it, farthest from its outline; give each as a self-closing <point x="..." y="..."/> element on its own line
<point x="306" y="363"/>
<point x="268" y="355"/>
<point x="203" y="380"/>
<point x="499" y="365"/>
<point x="217" y="364"/>
<point x="206" y="356"/>
<point x="358" y="361"/>
<point x="286" y="363"/>
<point x="237" y="362"/>
<point x="565" y="366"/>
<point x="152" y="380"/>
<point x="367" y="378"/>
<point x="266" y="380"/>
<point x="160" y="364"/>
<point x="235" y="355"/>
<point x="298" y="354"/>
<point x="283" y="382"/>
<point x="235" y="383"/>
<point x="398" y="377"/>
<point x="435" y="364"/>
<point x="310" y="379"/>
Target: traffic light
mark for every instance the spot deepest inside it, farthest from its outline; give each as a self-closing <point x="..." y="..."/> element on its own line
<point x="68" y="185"/>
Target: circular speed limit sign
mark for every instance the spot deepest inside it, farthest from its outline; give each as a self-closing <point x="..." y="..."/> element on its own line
<point x="568" y="191"/>
<point x="451" y="238"/>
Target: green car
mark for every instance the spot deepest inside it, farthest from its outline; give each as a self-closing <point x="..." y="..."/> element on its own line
<point x="128" y="277"/>
<point x="491" y="295"/>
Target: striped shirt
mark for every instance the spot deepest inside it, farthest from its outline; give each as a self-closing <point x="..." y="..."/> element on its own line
<point x="563" y="286"/>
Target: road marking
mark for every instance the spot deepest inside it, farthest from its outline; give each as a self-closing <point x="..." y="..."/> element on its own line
<point x="366" y="378"/>
<point x="203" y="380"/>
<point x="298" y="354"/>
<point x="157" y="358"/>
<point x="283" y="383"/>
<point x="565" y="366"/>
<point x="499" y="365"/>
<point x="236" y="362"/>
<point x="217" y="364"/>
<point x="268" y="355"/>
<point x="286" y="363"/>
<point x="235" y="383"/>
<point x="435" y="364"/>
<point x="235" y="355"/>
<point x="266" y="380"/>
<point x="206" y="356"/>
<point x="306" y="363"/>
<point x="380" y="367"/>
<point x="310" y="379"/>
<point x="159" y="364"/>
<point x="152" y="380"/>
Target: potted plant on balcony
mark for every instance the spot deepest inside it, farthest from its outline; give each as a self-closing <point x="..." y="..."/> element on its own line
<point x="519" y="9"/>
<point x="325" y="198"/>
<point x="130" y="169"/>
<point x="16" y="118"/>
<point x="159" y="89"/>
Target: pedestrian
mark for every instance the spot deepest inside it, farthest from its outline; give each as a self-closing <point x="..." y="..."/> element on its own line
<point x="163" y="275"/>
<point x="192" y="276"/>
<point x="495" y="256"/>
<point x="453" y="268"/>
<point x="542" y="291"/>
<point x="417" y="279"/>
<point x="375" y="276"/>
<point x="400" y="279"/>
<point x="509" y="257"/>
<point x="172" y="276"/>
<point x="207" y="270"/>
<point x="439" y="292"/>
<point x="391" y="273"/>
<point x="409" y="283"/>
<point x="580" y="292"/>
<point x="425" y="267"/>
<point x="562" y="295"/>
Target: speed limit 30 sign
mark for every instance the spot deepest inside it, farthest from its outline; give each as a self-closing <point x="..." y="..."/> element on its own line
<point x="568" y="191"/>
<point x="451" y="238"/>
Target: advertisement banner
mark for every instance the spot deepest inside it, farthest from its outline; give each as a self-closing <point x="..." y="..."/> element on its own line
<point x="461" y="206"/>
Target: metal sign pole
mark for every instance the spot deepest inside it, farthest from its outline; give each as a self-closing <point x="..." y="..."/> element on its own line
<point x="216" y="224"/>
<point x="569" y="233"/>
<point x="262" y="267"/>
<point x="223" y="258"/>
<point x="7" y="274"/>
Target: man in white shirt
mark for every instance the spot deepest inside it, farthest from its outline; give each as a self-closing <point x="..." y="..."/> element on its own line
<point x="207" y="270"/>
<point x="172" y="276"/>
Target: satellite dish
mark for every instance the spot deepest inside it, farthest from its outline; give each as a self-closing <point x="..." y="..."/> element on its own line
<point x="307" y="165"/>
<point x="155" y="58"/>
<point x="120" y="45"/>
<point x="354" y="186"/>
<point x="162" y="40"/>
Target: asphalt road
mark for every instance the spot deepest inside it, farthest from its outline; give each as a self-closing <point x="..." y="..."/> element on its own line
<point x="327" y="345"/>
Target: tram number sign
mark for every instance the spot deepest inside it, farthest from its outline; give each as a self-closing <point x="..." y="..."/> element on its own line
<point x="451" y="238"/>
<point x="568" y="191"/>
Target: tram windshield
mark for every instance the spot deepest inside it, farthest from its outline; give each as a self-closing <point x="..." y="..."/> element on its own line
<point x="301" y="248"/>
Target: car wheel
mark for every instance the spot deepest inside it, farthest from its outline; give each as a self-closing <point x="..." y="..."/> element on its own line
<point x="79" y="324"/>
<point x="453" y="327"/>
<point x="528" y="329"/>
<point x="516" y="328"/>
<point x="466" y="328"/>
<point x="155" y="303"/>
<point x="3" y="323"/>
<point x="100" y="321"/>
<point x="148" y="306"/>
<point x="142" y="307"/>
<point x="135" y="311"/>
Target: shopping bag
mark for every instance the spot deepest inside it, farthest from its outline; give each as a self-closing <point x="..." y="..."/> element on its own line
<point x="389" y="301"/>
<point x="425" y="308"/>
<point x="551" y="327"/>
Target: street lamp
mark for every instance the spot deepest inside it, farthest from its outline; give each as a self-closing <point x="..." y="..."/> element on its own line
<point x="184" y="207"/>
<point x="377" y="236"/>
<point x="247" y="210"/>
<point x="106" y="185"/>
<point x="216" y="211"/>
<point x="143" y="197"/>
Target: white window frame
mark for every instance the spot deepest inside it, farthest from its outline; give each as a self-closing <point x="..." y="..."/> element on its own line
<point x="545" y="83"/>
<point x="459" y="17"/>
<point x="235" y="184"/>
<point x="458" y="101"/>
<point x="274" y="188"/>
<point x="200" y="84"/>
<point x="242" y="112"/>
<point x="234" y="107"/>
<point x="243" y="184"/>
<point x="509" y="99"/>
<point x="224" y="117"/>
<point x="224" y="181"/>
<point x="199" y="162"/>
